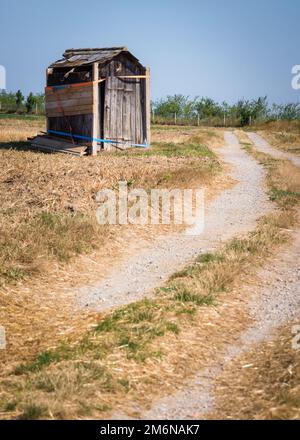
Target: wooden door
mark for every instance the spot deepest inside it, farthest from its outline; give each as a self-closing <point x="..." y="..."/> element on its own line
<point x="123" y="111"/>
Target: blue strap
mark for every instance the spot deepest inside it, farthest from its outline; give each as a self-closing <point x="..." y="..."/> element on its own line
<point x="86" y="138"/>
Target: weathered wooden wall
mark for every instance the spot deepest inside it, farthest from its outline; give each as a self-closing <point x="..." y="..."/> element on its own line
<point x="80" y="124"/>
<point x="69" y="101"/>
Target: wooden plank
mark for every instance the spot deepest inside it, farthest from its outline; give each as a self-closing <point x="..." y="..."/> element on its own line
<point x="132" y="114"/>
<point x="48" y="72"/>
<point x="126" y="115"/>
<point x="61" y="108"/>
<point x="57" y="150"/>
<point x="64" y="92"/>
<point x="62" y="88"/>
<point x="128" y="91"/>
<point x="113" y="111"/>
<point x="138" y="115"/>
<point x="48" y="141"/>
<point x="148" y="106"/>
<point x="119" y="110"/>
<point x="69" y="96"/>
<point x="77" y="124"/>
<point x="50" y="147"/>
<point x="101" y="88"/>
<point x="74" y="111"/>
<point x="95" y="125"/>
<point x="107" y="111"/>
<point x="68" y="91"/>
<point x="69" y="103"/>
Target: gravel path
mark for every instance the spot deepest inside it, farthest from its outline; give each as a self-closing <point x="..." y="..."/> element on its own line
<point x="263" y="146"/>
<point x="232" y="212"/>
<point x="277" y="301"/>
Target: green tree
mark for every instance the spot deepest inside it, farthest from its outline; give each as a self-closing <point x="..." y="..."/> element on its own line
<point x="7" y="101"/>
<point x="30" y="102"/>
<point x="288" y="112"/>
<point x="171" y="105"/>
<point x="40" y="102"/>
<point x="19" y="98"/>
<point x="207" y="108"/>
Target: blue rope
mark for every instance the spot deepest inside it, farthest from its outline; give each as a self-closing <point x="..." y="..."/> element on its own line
<point x="86" y="138"/>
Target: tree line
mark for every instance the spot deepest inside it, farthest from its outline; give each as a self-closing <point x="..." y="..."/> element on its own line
<point x="17" y="103"/>
<point x="180" y="108"/>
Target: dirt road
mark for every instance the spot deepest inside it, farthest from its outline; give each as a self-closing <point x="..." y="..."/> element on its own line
<point x="232" y="212"/>
<point x="275" y="302"/>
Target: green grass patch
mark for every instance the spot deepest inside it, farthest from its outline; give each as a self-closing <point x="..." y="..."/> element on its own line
<point x="290" y="197"/>
<point x="169" y="149"/>
<point x="32" y="412"/>
<point x="22" y="117"/>
<point x="184" y="295"/>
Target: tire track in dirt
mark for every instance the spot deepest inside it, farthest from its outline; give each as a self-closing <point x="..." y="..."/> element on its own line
<point x="262" y="145"/>
<point x="276" y="302"/>
<point x="232" y="212"/>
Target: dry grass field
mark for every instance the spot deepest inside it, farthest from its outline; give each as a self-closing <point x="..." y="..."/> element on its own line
<point x="92" y="364"/>
<point x="48" y="201"/>
<point x="50" y="240"/>
<point x="130" y="355"/>
<point x="265" y="382"/>
<point x="284" y="135"/>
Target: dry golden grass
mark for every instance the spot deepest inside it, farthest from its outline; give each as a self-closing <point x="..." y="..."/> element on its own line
<point x="283" y="176"/>
<point x="264" y="382"/>
<point x="284" y="135"/>
<point x="48" y="201"/>
<point x="146" y="349"/>
<point x="132" y="355"/>
<point x="288" y="176"/>
<point x="17" y="130"/>
<point x="50" y="243"/>
<point x="212" y="137"/>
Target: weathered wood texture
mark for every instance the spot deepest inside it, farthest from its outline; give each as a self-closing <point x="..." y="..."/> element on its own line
<point x="76" y="124"/>
<point x="96" y="122"/>
<point x="67" y="102"/>
<point x="124" y="106"/>
<point x="147" y="106"/>
<point x="46" y="143"/>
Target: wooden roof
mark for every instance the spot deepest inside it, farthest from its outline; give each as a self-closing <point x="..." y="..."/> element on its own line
<point x="80" y="57"/>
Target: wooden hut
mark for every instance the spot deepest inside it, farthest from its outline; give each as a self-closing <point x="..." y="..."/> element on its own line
<point x="96" y="99"/>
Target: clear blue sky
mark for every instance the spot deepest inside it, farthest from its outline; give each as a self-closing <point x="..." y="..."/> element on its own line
<point x="225" y="49"/>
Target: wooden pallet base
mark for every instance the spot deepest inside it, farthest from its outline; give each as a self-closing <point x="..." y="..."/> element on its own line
<point x="53" y="145"/>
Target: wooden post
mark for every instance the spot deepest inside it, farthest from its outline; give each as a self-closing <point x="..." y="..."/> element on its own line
<point x="47" y="121"/>
<point x="95" y="123"/>
<point x="148" y="107"/>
